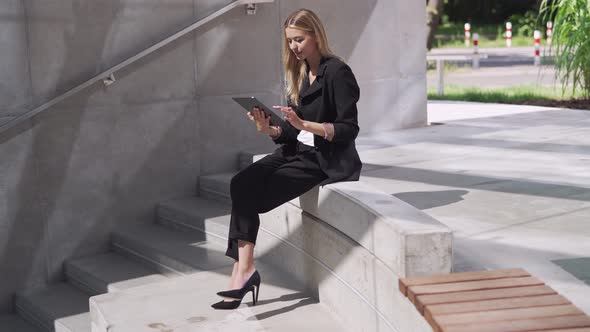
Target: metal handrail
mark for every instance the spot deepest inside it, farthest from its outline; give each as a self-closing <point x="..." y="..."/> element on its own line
<point x="108" y="75"/>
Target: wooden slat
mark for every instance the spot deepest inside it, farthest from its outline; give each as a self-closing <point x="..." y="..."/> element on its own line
<point x="536" y="324"/>
<point x="508" y="303"/>
<point x="425" y="300"/>
<point x="414" y="291"/>
<point x="509" y="300"/>
<point x="507" y="315"/>
<point x="404" y="283"/>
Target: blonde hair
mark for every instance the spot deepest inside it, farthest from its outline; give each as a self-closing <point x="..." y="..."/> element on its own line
<point x="295" y="70"/>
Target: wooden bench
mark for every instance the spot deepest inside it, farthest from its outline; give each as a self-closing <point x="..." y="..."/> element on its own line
<point x="509" y="300"/>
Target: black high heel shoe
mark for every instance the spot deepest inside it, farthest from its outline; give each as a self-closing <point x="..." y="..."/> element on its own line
<point x="252" y="285"/>
<point x="226" y="305"/>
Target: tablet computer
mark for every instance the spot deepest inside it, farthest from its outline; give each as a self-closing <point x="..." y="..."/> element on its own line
<point x="250" y="102"/>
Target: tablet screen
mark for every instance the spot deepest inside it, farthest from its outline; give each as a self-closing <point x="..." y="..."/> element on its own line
<point x="250" y="102"/>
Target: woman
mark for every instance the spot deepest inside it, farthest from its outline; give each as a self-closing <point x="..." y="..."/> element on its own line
<point x="317" y="144"/>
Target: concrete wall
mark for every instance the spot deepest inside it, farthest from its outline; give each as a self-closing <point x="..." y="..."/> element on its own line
<point x="105" y="157"/>
<point x="382" y="40"/>
<point x="384" y="43"/>
<point x="102" y="159"/>
<point x="15" y="85"/>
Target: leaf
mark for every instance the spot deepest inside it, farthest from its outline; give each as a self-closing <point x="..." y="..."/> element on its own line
<point x="571" y="41"/>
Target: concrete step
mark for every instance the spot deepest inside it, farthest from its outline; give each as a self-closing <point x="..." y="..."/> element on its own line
<point x="216" y="186"/>
<point x="248" y="157"/>
<point x="183" y="305"/>
<point x="198" y="214"/>
<point x="60" y="307"/>
<point x="14" y="323"/>
<point x="168" y="251"/>
<point x="108" y="272"/>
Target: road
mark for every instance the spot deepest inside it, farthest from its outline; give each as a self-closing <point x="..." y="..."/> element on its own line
<point x="503" y="67"/>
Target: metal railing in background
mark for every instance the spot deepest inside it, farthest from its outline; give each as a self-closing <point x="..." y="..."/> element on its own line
<point x="108" y="76"/>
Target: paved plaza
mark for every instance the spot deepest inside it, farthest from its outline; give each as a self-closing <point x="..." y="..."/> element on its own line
<point x="513" y="182"/>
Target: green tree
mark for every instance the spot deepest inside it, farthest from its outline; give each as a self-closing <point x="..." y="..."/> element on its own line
<point x="571" y="41"/>
<point x="433" y="14"/>
<point x="486" y="11"/>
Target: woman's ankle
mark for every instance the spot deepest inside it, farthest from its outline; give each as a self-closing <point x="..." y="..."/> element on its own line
<point x="247" y="271"/>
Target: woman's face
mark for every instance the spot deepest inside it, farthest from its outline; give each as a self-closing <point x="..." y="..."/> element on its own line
<point x="301" y="43"/>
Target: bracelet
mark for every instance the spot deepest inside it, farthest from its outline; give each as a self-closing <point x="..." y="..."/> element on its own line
<point x="277" y="132"/>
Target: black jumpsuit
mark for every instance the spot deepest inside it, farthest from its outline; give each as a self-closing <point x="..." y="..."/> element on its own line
<point x="295" y="168"/>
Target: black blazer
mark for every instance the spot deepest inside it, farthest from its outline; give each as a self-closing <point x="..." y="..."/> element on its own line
<point x="331" y="98"/>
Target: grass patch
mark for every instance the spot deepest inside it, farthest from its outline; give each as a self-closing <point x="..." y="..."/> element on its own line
<point x="459" y="29"/>
<point x="522" y="94"/>
<point x="451" y="35"/>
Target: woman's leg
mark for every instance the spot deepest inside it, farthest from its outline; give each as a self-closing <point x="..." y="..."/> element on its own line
<point x="286" y="180"/>
<point x="289" y="181"/>
<point x="233" y="273"/>
<point x="246" y="188"/>
<point x="245" y="264"/>
<point x="244" y="267"/>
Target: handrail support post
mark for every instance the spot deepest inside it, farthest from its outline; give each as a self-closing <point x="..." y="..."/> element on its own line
<point x="109" y="79"/>
<point x="251" y="9"/>
<point x="440" y="73"/>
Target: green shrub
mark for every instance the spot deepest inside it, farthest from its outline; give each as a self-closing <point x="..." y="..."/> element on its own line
<point x="571" y="41"/>
<point x="524" y="24"/>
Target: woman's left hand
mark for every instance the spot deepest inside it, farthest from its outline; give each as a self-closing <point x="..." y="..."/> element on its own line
<point x="291" y="116"/>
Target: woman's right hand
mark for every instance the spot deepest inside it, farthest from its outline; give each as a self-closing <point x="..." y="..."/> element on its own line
<point x="260" y="119"/>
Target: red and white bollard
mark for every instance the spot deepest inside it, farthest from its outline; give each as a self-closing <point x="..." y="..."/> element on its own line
<point x="475" y="63"/>
<point x="508" y="34"/>
<point x="467" y="34"/>
<point x="549" y="32"/>
<point x="537" y="35"/>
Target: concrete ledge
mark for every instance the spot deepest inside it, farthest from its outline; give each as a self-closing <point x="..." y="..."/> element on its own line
<point x="408" y="241"/>
<point x="350" y="244"/>
<point x="347" y="240"/>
